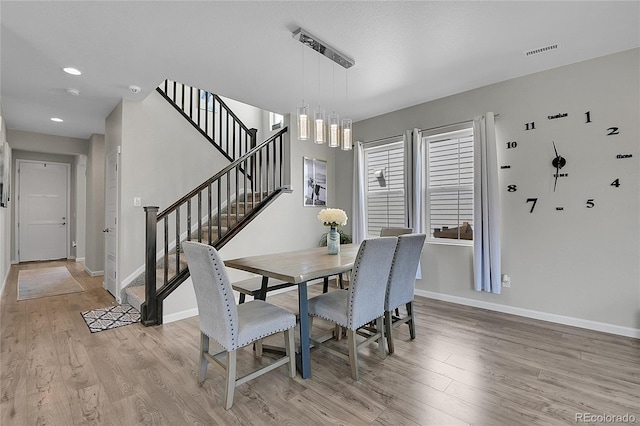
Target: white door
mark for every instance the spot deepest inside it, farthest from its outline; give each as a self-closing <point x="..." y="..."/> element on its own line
<point x="43" y="206"/>
<point x="110" y="226"/>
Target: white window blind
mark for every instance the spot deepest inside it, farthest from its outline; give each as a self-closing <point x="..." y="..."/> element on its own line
<point x="385" y="197"/>
<point x="449" y="185"/>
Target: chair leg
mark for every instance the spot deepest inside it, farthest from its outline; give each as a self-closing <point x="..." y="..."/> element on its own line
<point x="242" y="297"/>
<point x="258" y="348"/>
<point x="204" y="347"/>
<point x="353" y="354"/>
<point x="412" y="321"/>
<point x="290" y="352"/>
<point x="388" y="322"/>
<point x="382" y="352"/>
<point x="325" y="285"/>
<point x="231" y="379"/>
<point x="338" y="331"/>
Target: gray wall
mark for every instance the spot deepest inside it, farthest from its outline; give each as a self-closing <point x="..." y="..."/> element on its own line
<point x="94" y="253"/>
<point x="579" y="266"/>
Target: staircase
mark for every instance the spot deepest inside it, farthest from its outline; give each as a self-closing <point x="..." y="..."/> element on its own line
<point x="134" y="293"/>
<point x="215" y="211"/>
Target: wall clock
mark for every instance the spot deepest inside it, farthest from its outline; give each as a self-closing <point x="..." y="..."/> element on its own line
<point x="567" y="160"/>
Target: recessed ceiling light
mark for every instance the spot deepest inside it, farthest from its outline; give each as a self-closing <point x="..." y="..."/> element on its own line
<point x="57" y="120"/>
<point x="72" y="71"/>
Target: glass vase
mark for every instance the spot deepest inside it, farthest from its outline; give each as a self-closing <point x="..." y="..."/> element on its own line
<point x="333" y="241"/>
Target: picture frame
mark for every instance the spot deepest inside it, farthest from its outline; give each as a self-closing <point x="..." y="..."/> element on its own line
<point x="314" y="182"/>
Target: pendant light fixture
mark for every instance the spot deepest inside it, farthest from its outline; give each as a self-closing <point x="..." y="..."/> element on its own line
<point x="335" y="136"/>
<point x="319" y="125"/>
<point x="347" y="124"/>
<point x="334" y="119"/>
<point x="304" y="121"/>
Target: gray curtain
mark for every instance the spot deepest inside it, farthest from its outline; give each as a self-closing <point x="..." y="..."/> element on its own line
<point x="486" y="207"/>
<point x="413" y="182"/>
<point x="413" y="178"/>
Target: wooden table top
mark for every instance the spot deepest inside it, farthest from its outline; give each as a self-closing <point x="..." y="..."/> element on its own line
<point x="300" y="265"/>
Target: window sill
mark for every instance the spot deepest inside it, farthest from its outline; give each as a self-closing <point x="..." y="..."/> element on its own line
<point x="449" y="242"/>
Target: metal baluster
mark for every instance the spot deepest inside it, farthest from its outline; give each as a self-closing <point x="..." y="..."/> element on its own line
<point x="219" y="208"/>
<point x="210" y="205"/>
<point x="199" y="217"/>
<point x="177" y="240"/>
<point x="165" y="265"/>
<point x="189" y="220"/>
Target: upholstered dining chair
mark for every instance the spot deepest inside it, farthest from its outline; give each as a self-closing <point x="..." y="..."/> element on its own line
<point x="400" y="288"/>
<point x="232" y="326"/>
<point x="362" y="303"/>
<point x="394" y="232"/>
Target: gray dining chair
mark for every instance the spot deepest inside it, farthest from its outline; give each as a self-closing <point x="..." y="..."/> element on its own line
<point x="401" y="285"/>
<point x="394" y="232"/>
<point x="232" y="326"/>
<point x="361" y="304"/>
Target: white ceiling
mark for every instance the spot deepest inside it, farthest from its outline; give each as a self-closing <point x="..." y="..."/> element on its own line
<point x="406" y="52"/>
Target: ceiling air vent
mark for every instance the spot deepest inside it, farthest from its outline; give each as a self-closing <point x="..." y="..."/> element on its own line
<point x="541" y="50"/>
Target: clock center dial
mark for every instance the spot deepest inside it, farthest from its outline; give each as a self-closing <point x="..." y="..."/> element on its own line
<point x="559" y="162"/>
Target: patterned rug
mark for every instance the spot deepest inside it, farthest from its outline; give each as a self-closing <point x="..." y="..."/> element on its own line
<point x="111" y="317"/>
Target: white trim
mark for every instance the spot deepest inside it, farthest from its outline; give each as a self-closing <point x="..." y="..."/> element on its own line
<point x="79" y="259"/>
<point x="93" y="273"/>
<point x="166" y="319"/>
<point x="529" y="313"/>
<point x="67" y="166"/>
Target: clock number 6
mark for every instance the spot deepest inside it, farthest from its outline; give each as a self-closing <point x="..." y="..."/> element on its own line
<point x="590" y="203"/>
<point x="534" y="201"/>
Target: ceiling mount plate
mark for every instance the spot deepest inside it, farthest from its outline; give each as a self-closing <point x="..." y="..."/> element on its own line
<point x="323" y="48"/>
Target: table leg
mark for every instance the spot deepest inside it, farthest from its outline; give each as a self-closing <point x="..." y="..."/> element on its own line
<point x="305" y="350"/>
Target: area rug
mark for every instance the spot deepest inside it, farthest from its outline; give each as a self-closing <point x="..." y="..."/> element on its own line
<point x="112" y="317"/>
<point x="45" y="282"/>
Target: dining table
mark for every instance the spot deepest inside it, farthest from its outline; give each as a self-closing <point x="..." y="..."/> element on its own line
<point x="299" y="267"/>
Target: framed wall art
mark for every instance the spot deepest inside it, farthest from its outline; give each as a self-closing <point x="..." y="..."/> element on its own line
<point x="315" y="182"/>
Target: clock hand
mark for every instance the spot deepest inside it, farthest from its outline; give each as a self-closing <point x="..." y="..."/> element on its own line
<point x="555" y="182"/>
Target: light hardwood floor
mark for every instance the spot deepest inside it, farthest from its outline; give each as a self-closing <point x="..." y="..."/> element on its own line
<point x="466" y="366"/>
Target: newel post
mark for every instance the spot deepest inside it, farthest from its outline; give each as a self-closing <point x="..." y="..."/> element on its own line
<point x="150" y="307"/>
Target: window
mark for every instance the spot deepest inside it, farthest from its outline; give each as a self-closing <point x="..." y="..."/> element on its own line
<point x="384" y="187"/>
<point x="449" y="186"/>
<point x="275" y="120"/>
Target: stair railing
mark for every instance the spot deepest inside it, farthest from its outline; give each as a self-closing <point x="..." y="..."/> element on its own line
<point x="223" y="204"/>
<point x="211" y="116"/>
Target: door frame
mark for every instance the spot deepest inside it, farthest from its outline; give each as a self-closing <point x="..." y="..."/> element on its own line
<point x="67" y="166"/>
<point x="116" y="154"/>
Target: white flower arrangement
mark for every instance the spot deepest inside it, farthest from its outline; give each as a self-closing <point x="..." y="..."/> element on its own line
<point x="332" y="217"/>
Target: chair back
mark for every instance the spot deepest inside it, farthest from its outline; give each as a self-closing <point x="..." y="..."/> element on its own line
<point x="216" y="304"/>
<point x="402" y="278"/>
<point x="369" y="278"/>
<point x="394" y="232"/>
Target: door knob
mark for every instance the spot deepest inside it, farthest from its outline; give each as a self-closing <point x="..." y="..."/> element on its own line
<point x="63" y="223"/>
<point x="105" y="230"/>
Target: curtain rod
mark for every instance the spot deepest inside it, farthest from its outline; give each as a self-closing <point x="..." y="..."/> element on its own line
<point x="425" y="130"/>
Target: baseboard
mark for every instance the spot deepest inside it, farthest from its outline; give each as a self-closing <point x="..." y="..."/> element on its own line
<point x="529" y="313"/>
<point x="93" y="273"/>
<point x="166" y="319"/>
<point x="79" y="259"/>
